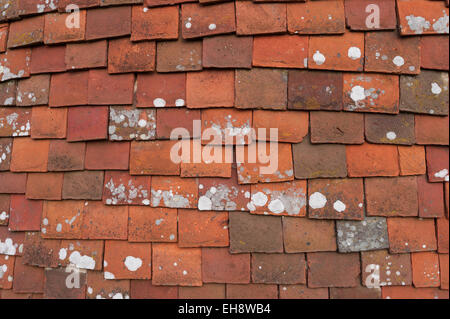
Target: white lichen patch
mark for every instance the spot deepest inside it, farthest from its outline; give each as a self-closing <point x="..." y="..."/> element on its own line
<point x="319" y="58"/>
<point x="15" y="124"/>
<point x="435" y="88"/>
<point x="354" y="53"/>
<point x="81" y="261"/>
<point x="8" y="247"/>
<point x="232" y="132"/>
<point x="317" y="200"/>
<point x="126" y="123"/>
<point x="288" y="201"/>
<point x="419" y="24"/>
<point x="220" y="197"/>
<point x="125" y="192"/>
<point x="170" y="198"/>
<point x="398" y="61"/>
<point x="5" y="152"/>
<point x="391" y="136"/>
<point x="442" y="174"/>
<point x="133" y="263"/>
<point x="362" y="93"/>
<point x="339" y="206"/>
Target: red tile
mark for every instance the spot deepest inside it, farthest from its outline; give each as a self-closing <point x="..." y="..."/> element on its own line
<point x="13" y="183"/>
<point x="3" y="36"/>
<point x="368" y="15"/>
<point x="392" y="269"/>
<point x="169" y="119"/>
<point x="392" y="196"/>
<point x="215" y="161"/>
<point x="210" y="89"/>
<point x="154" y="23"/>
<point x="26" y="32"/>
<point x="153" y="158"/>
<point x="179" y="56"/>
<point x="117" y="159"/>
<point x="336" y="199"/>
<point x="277" y="166"/>
<point x="84" y="254"/>
<point x="253" y="233"/>
<point x="422" y="17"/>
<point x="318" y="160"/>
<point x="219" y="266"/>
<point x="431" y="129"/>
<point x="387" y="52"/>
<point x="8" y="93"/>
<point x="227" y="126"/>
<point x="27" y="279"/>
<point x="361" y="93"/>
<point x="207" y="291"/>
<point x="285" y="51"/>
<point x="250" y="83"/>
<point x="4" y="209"/>
<point x="411" y="235"/>
<point x="123" y="189"/>
<point x="86" y="55"/>
<point x="130" y="123"/>
<point x="25" y="215"/>
<point x="56" y="287"/>
<point x="5" y="153"/>
<point x="144" y="289"/>
<point x="358" y="292"/>
<point x="87" y="123"/>
<point x="261" y="18"/>
<point x="174" y="192"/>
<point x="409" y="292"/>
<point x="202" y="228"/>
<point x="125" y="260"/>
<point x="12" y="242"/>
<point x="63" y="156"/>
<point x="19" y="123"/>
<point x="223" y="194"/>
<point x="316" y="17"/>
<point x="83" y="185"/>
<point x="173" y="266"/>
<point x="125" y="56"/>
<point x="48" y="123"/>
<point x="442" y="235"/>
<point x="110" y="89"/>
<point x="68" y="89"/>
<point x="412" y="160"/>
<point x="430" y="58"/>
<point x="44" y="186"/>
<point x="279" y="268"/>
<point x="315" y="90"/>
<point x="45" y="59"/>
<point x="98" y="22"/>
<point x="15" y="64"/>
<point x="279" y="199"/>
<point x="330" y="269"/>
<point x="199" y="21"/>
<point x="252" y="291"/>
<point x="431" y="198"/>
<point x="62" y="219"/>
<point x="443" y="263"/>
<point x="33" y="91"/>
<point x="161" y="90"/>
<point x="6" y="280"/>
<point x="55" y="30"/>
<point x="425" y="267"/>
<point x="308" y="235"/>
<point x="147" y="224"/>
<point x="29" y="155"/>
<point x="100" y="288"/>
<point x="338" y="52"/>
<point x="302" y="292"/>
<point x="105" y="222"/>
<point x="372" y="160"/>
<point x="292" y="126"/>
<point x="337" y="127"/>
<point x="227" y="51"/>
<point x="388" y="129"/>
<point x="40" y="252"/>
<point x="437" y="163"/>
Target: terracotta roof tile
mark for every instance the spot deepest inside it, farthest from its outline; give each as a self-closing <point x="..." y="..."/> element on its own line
<point x="135" y="149"/>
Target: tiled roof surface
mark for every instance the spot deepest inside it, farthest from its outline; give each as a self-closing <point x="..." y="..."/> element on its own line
<point x="360" y="102"/>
